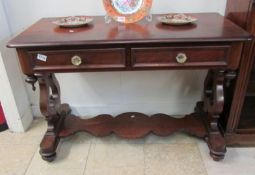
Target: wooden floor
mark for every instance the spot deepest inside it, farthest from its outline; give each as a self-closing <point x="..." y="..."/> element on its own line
<point x="83" y="154"/>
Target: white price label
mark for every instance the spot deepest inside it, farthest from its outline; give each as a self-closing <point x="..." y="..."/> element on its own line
<point x="121" y="18"/>
<point x="42" y="57"/>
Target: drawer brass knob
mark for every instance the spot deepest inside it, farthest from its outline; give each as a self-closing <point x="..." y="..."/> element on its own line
<point x="76" y="60"/>
<point x="181" y="58"/>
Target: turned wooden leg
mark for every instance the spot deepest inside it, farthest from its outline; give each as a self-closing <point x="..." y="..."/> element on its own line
<point x="214" y="103"/>
<point x="53" y="111"/>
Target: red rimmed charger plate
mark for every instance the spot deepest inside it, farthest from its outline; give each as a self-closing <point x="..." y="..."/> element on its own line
<point x="127" y="11"/>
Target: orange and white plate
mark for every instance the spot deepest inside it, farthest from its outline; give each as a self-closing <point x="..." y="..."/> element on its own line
<point x="177" y="19"/>
<point x="127" y="11"/>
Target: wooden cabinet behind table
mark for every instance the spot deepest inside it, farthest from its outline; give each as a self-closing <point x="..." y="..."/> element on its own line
<point x="239" y="116"/>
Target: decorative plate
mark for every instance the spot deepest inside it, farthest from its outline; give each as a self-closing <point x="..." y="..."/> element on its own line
<point x="177" y="19"/>
<point x="127" y="11"/>
<point x="73" y="21"/>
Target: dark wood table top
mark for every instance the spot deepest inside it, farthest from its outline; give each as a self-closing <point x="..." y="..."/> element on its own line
<point x="209" y="28"/>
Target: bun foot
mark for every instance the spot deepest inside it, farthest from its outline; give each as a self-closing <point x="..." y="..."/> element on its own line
<point x="217" y="146"/>
<point x="49" y="157"/>
<point x="48" y="148"/>
<point x="217" y="157"/>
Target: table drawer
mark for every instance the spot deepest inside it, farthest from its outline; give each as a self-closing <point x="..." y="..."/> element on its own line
<point x="195" y="56"/>
<point x="69" y="60"/>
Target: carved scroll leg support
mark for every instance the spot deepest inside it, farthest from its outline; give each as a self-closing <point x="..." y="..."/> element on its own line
<point x="54" y="113"/>
<point x="214" y="103"/>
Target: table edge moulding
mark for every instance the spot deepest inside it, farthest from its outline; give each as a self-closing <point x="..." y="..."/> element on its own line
<point x="213" y="43"/>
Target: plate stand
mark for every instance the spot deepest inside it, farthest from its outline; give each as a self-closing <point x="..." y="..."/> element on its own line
<point x="108" y="19"/>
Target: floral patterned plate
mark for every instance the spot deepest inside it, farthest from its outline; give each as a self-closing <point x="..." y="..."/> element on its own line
<point x="73" y="21"/>
<point x="127" y="11"/>
<point x="177" y="19"/>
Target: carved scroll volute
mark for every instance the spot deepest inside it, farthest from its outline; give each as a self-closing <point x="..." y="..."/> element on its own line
<point x="44" y="94"/>
<point x="215" y="83"/>
<point x="55" y="91"/>
<point x="214" y="92"/>
<point x="218" y="96"/>
<point x="31" y="79"/>
<point x="48" y="102"/>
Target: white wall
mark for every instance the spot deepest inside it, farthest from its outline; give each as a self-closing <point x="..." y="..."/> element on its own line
<point x="13" y="95"/>
<point x="23" y="13"/>
<point x="173" y="92"/>
<point x="5" y="30"/>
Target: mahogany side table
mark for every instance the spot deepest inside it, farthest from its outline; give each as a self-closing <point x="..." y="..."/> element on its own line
<point x="213" y="43"/>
